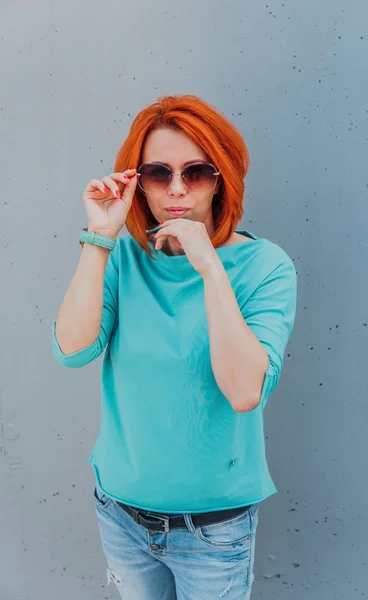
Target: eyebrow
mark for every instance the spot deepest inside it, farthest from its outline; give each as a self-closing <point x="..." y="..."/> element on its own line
<point x="188" y="162"/>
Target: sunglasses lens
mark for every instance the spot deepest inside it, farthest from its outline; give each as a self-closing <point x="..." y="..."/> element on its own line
<point x="154" y="178"/>
<point x="200" y="177"/>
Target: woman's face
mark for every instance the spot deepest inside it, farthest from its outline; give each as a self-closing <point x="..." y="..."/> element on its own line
<point x="176" y="148"/>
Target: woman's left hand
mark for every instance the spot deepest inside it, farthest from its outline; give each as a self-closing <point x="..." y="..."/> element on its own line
<point x="193" y="238"/>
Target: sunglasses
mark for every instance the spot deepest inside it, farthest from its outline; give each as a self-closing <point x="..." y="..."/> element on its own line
<point x="197" y="177"/>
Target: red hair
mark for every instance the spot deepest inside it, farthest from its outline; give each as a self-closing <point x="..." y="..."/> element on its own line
<point x="215" y="135"/>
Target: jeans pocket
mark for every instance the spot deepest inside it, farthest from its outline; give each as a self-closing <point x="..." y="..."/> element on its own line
<point x="102" y="500"/>
<point x="235" y="532"/>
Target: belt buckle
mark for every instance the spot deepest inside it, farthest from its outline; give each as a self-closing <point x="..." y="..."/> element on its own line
<point x="164" y="518"/>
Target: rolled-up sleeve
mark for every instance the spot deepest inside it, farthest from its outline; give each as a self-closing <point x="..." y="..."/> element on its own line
<point x="270" y="314"/>
<point x="109" y="320"/>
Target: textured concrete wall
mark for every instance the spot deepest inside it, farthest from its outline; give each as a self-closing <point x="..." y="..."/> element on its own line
<point x="292" y="75"/>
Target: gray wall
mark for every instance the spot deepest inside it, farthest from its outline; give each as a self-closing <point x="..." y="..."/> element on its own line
<point x="292" y="76"/>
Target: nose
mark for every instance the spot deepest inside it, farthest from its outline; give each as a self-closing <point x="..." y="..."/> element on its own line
<point x="177" y="185"/>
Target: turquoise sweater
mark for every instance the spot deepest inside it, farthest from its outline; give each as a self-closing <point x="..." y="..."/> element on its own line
<point x="169" y="439"/>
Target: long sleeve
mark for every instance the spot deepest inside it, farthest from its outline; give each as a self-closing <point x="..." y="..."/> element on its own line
<point x="270" y="314"/>
<point x="108" y="322"/>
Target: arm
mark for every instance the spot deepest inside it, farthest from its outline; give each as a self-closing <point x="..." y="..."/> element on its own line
<point x="247" y="343"/>
<point x="88" y="313"/>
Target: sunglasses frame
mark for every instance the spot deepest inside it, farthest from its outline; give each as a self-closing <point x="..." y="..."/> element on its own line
<point x="216" y="174"/>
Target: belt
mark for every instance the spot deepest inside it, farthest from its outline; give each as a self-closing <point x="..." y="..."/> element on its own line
<point x="163" y="523"/>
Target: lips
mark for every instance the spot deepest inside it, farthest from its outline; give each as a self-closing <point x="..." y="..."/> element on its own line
<point x="176" y="212"/>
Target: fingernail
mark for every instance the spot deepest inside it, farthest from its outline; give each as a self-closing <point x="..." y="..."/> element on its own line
<point x="118" y="194"/>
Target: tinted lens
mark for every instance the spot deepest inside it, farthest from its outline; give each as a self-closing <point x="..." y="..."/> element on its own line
<point x="154" y="178"/>
<point x="200" y="176"/>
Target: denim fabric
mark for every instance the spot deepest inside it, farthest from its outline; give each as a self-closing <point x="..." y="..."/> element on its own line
<point x="192" y="563"/>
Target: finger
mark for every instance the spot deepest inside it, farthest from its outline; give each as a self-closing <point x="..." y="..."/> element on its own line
<point x="159" y="243"/>
<point x="120" y="178"/>
<point x="178" y="225"/>
<point x="112" y="185"/>
<point x="160" y="239"/>
<point x="124" y="177"/>
<point x="96" y="184"/>
<point x="126" y="181"/>
<point x="164" y="231"/>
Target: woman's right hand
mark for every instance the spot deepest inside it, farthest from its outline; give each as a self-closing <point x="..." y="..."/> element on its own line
<point x="108" y="201"/>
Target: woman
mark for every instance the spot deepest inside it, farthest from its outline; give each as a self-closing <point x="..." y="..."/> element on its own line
<point x="195" y="317"/>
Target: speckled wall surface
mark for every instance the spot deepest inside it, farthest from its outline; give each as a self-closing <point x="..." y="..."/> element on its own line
<point x="292" y="76"/>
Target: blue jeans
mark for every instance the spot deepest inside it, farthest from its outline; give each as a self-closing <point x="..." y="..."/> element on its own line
<point x="192" y="563"/>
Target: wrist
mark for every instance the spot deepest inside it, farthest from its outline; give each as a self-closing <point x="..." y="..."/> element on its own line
<point x="95" y="250"/>
<point x="96" y="236"/>
<point x="111" y="233"/>
<point x="214" y="269"/>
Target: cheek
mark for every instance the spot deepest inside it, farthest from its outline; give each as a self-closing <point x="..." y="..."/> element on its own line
<point x="154" y="202"/>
